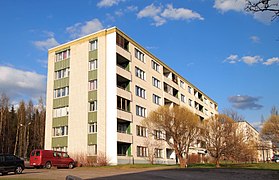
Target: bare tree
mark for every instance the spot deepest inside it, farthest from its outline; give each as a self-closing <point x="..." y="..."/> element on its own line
<point x="274" y="111"/>
<point x="180" y="126"/>
<point x="263" y="5"/>
<point x="234" y="115"/>
<point x="270" y="129"/>
<point x="4" y="117"/>
<point x="153" y="142"/>
<point x="218" y="133"/>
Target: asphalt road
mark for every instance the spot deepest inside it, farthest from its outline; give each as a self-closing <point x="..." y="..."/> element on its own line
<point x="145" y="174"/>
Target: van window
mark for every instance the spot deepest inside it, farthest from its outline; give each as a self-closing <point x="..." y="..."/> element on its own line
<point x="32" y="153"/>
<point x="37" y="153"/>
<point x="65" y="155"/>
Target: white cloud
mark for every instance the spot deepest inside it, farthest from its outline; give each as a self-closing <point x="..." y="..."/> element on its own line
<point x="228" y="5"/>
<point x="274" y="60"/>
<point x="160" y="15"/>
<point x="108" y="3"/>
<point x="232" y="59"/>
<point x="239" y="6"/>
<point x="48" y="43"/>
<point x="255" y="39"/>
<point x="251" y="59"/>
<point x="132" y="8"/>
<point x="19" y="84"/>
<point x="180" y="13"/>
<point x="82" y="29"/>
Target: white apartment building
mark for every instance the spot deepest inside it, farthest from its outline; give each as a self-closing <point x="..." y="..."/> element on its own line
<point x="264" y="148"/>
<point x="99" y="89"/>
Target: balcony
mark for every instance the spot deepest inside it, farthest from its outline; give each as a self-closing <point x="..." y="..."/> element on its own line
<point x="126" y="54"/>
<point x="126" y="138"/>
<point x="124" y="115"/>
<point x="126" y="74"/>
<point x="123" y="93"/>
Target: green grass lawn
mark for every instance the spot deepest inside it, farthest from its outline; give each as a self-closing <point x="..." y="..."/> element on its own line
<point x="263" y="166"/>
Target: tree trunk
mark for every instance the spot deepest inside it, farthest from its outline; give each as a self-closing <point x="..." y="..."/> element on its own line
<point x="182" y="161"/>
<point x="217" y="163"/>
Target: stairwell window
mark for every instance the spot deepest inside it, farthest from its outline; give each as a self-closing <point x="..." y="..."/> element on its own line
<point x="93" y="45"/>
<point x="93" y="64"/>
<point x="61" y="92"/>
<point x="62" y="73"/>
<point x="92" y="127"/>
<point x="93" y="85"/>
<point x="60" y="131"/>
<point x="93" y="106"/>
<point x="62" y="55"/>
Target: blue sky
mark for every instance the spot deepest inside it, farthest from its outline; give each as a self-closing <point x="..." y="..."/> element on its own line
<point x="231" y="55"/>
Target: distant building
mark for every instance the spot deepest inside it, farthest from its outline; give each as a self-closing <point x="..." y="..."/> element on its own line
<point x="264" y="148"/>
<point x="99" y="89"/>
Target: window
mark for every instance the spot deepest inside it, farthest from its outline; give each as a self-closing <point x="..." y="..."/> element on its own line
<point x="93" y="85"/>
<point x="63" y="148"/>
<point x="159" y="135"/>
<point x="205" y="100"/>
<point x="62" y="55"/>
<point x="182" y="84"/>
<point x="60" y="131"/>
<point x="92" y="149"/>
<point x="92" y="127"/>
<point x="62" y="73"/>
<point x="59" y="112"/>
<point x="123" y="104"/>
<point x="122" y="42"/>
<point x="139" y="55"/>
<point x="155" y="66"/>
<point x="61" y="92"/>
<point x="156" y="99"/>
<point x="156" y="82"/>
<point x="206" y="112"/>
<point x="140" y="92"/>
<point x="141" y="151"/>
<point x="141" y="131"/>
<point x="93" y="106"/>
<point x="93" y="45"/>
<point x="140" y="73"/>
<point x="182" y="98"/>
<point x="158" y="153"/>
<point x="190" y="89"/>
<point x="140" y="111"/>
<point x="190" y="102"/>
<point x="93" y="65"/>
<point x="211" y="105"/>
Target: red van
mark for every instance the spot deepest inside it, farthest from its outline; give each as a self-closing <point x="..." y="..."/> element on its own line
<point x="49" y="158"/>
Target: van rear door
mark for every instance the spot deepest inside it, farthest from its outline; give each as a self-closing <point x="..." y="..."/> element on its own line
<point x="36" y="158"/>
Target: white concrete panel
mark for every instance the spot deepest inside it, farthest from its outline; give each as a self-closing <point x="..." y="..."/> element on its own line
<point x="111" y="110"/>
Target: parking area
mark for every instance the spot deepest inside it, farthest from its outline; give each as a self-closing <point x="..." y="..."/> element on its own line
<point x="145" y="173"/>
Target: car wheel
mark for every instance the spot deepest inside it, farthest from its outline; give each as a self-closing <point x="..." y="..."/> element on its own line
<point x="48" y="165"/>
<point x="71" y="166"/>
<point x="18" y="170"/>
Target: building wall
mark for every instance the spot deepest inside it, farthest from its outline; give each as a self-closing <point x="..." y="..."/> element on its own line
<point x="107" y="137"/>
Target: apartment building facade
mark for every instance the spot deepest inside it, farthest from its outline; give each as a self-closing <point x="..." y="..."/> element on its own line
<point x="99" y="89"/>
